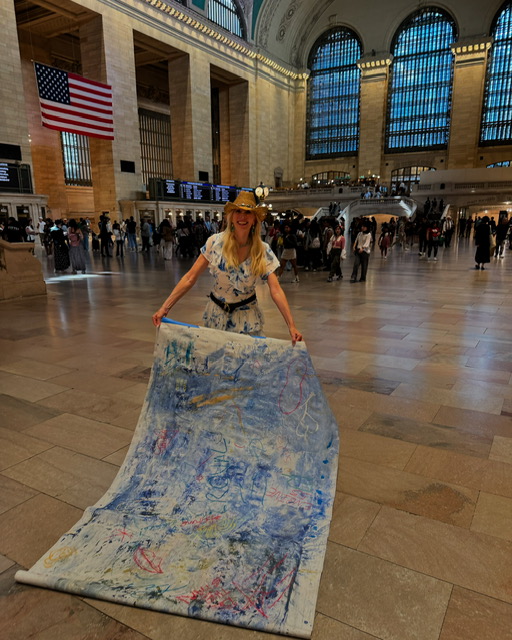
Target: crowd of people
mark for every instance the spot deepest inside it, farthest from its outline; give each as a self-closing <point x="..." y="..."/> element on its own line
<point x="298" y="242"/>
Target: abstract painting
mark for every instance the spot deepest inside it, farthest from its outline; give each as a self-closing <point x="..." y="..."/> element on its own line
<point x="221" y="509"/>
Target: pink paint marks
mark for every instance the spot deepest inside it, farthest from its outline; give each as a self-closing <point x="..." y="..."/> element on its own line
<point x="164" y="441"/>
<point x="292" y="393"/>
<point x="147" y="560"/>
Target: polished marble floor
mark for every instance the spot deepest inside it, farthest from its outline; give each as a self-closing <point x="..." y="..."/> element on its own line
<point x="416" y="364"/>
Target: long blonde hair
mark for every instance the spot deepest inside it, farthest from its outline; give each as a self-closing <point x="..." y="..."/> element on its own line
<point x="256" y="252"/>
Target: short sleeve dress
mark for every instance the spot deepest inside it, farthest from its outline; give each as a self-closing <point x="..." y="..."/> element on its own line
<point x="233" y="285"/>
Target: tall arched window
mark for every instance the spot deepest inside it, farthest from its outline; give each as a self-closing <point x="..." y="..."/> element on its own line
<point x="332" y="125"/>
<point x="497" y="109"/>
<point x="227" y="15"/>
<point x="421" y="75"/>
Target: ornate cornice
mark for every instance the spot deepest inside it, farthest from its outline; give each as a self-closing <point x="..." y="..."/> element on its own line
<point x="227" y="40"/>
<point x="469" y="51"/>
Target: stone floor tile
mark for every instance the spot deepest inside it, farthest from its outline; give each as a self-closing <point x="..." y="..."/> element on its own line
<point x="5" y="563"/>
<point x="30" y="529"/>
<point x="407" y="491"/>
<point x="493" y="515"/>
<point x="92" y="438"/>
<point x="498" y="479"/>
<point x="90" y="405"/>
<point x="477" y="422"/>
<point x="445" y="437"/>
<point x="470" y="399"/>
<point x="351" y="518"/>
<point x="387" y="452"/>
<point x="19" y="414"/>
<point x="501" y="449"/>
<point x="471" y="616"/>
<point x="447" y="466"/>
<point x="164" y="626"/>
<point x="26" y="388"/>
<point x="72" y="477"/>
<point x="381" y="598"/>
<point x="30" y="612"/>
<point x="405" y="407"/>
<point x="329" y="628"/>
<point x="93" y="382"/>
<point x="16" y="446"/>
<point x="476" y="561"/>
<point x="117" y="457"/>
<point x="31" y="368"/>
<point x="13" y="493"/>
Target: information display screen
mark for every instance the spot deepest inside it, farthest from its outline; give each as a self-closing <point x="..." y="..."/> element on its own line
<point x="196" y="191"/>
<point x="172" y="189"/>
<point x="9" y="177"/>
<point x="223" y="194"/>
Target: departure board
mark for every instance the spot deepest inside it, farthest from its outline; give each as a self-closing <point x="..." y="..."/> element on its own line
<point x="9" y="177"/>
<point x="172" y="189"/>
<point x="222" y="193"/>
<point x="196" y="191"/>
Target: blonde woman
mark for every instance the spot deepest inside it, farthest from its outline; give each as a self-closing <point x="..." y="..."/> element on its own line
<point x="238" y="261"/>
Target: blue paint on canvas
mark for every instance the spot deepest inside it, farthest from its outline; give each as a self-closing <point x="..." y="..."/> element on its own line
<point x="221" y="509"/>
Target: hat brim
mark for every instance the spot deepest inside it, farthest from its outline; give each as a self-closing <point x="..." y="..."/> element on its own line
<point x="260" y="210"/>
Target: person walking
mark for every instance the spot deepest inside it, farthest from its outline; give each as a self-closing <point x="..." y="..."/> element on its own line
<point x="289" y="252"/>
<point x="361" y="249"/>
<point x="433" y="235"/>
<point x="483" y="243"/>
<point x="337" y="246"/>
<point x="76" y="247"/>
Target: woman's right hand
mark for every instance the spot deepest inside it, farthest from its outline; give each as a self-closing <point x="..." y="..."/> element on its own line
<point x="157" y="317"/>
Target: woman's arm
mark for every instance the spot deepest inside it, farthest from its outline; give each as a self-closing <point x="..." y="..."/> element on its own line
<point x="186" y="283"/>
<point x="279" y="298"/>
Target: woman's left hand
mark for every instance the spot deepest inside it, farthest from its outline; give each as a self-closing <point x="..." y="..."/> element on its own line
<point x="296" y="335"/>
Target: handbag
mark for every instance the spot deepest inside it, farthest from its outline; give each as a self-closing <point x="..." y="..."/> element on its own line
<point x="492" y="241"/>
<point x="315" y="243"/>
<point x="343" y="254"/>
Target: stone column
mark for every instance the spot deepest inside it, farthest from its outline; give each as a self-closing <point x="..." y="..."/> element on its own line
<point x="298" y="133"/>
<point x="13" y="122"/>
<point x="374" y="88"/>
<point x="111" y="60"/>
<point x="191" y="119"/>
<point x="467" y="100"/>
<point x="241" y="156"/>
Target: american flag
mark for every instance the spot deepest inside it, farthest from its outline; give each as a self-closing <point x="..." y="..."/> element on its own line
<point x="74" y="104"/>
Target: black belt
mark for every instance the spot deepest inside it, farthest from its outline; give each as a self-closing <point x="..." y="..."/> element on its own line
<point x="229" y="307"/>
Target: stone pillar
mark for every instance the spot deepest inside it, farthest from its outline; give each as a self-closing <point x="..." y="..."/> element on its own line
<point x="191" y="119"/>
<point x="298" y="133"/>
<point x="242" y="156"/>
<point x="111" y="60"/>
<point x="467" y="100"/>
<point x="374" y="88"/>
<point x="13" y="122"/>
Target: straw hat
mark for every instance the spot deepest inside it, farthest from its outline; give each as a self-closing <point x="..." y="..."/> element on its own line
<point x="246" y="200"/>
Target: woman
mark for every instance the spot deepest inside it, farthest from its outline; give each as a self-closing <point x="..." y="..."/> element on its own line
<point x="238" y="260"/>
<point x="483" y="243"/>
<point x="76" y="247"/>
<point x="60" y="247"/>
<point x="337" y="245"/>
<point x="118" y="234"/>
<point x="433" y="237"/>
<point x="289" y="252"/>
<point x="313" y="246"/>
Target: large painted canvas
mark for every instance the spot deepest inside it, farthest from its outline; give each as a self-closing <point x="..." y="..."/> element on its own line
<point x="222" y="507"/>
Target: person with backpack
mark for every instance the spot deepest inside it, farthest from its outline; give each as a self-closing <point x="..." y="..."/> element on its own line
<point x="433" y="235"/>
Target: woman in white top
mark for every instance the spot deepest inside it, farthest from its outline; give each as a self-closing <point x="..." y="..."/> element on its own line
<point x="361" y="248"/>
<point x="238" y="261"/>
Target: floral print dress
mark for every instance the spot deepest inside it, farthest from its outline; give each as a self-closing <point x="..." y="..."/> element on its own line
<point x="233" y="285"/>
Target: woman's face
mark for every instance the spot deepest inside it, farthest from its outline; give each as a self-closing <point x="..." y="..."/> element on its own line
<point x="287" y="229"/>
<point x="243" y="219"/>
<point x="338" y="231"/>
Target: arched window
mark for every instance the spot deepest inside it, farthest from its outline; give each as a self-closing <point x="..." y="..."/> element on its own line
<point x="227" y="15"/>
<point x="407" y="176"/>
<point x="504" y="163"/>
<point x="497" y="109"/>
<point x="332" y="121"/>
<point x="421" y="74"/>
